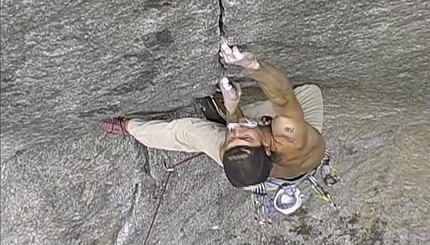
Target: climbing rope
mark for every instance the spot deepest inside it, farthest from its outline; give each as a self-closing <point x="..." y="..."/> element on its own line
<point x="169" y="175"/>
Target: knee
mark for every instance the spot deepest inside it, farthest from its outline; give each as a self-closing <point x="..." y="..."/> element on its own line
<point x="310" y="86"/>
<point x="308" y="89"/>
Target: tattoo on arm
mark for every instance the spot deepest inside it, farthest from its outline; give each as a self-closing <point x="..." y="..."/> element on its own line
<point x="289" y="129"/>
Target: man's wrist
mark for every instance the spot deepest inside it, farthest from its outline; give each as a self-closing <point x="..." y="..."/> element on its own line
<point x="232" y="116"/>
<point x="254" y="65"/>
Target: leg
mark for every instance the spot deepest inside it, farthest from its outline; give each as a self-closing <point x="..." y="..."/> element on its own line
<point x="309" y="97"/>
<point x="186" y="134"/>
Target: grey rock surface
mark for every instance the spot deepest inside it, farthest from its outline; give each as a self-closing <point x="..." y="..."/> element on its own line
<point x="336" y="41"/>
<point x="64" y="66"/>
<point x="67" y="64"/>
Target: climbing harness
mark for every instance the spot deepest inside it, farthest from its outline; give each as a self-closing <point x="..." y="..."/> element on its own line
<point x="264" y="205"/>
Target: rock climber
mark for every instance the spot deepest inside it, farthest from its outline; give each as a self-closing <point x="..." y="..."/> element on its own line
<point x="267" y="142"/>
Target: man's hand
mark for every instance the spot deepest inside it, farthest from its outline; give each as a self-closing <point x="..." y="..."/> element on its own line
<point x="232" y="97"/>
<point x="234" y="57"/>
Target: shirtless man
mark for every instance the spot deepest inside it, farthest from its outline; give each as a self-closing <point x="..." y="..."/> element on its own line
<point x="296" y="146"/>
<point x="251" y="154"/>
<point x="288" y="148"/>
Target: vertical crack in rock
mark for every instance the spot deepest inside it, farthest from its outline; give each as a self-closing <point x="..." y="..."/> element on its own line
<point x="221" y="18"/>
<point x="221" y="27"/>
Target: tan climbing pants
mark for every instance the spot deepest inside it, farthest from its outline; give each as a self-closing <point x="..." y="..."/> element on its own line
<point x="200" y="135"/>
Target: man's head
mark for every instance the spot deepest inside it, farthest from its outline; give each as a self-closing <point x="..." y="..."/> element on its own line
<point x="247" y="154"/>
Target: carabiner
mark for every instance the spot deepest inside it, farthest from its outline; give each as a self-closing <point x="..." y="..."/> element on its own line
<point x="166" y="168"/>
<point x="330" y="177"/>
<point x="330" y="180"/>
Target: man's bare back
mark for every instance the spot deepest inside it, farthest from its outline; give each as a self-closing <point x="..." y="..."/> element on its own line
<point x="297" y="146"/>
<point x="291" y="161"/>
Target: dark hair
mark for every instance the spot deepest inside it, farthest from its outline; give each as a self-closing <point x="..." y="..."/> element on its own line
<point x="245" y="166"/>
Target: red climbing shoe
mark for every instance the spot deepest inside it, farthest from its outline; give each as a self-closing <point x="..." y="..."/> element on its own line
<point x="116" y="125"/>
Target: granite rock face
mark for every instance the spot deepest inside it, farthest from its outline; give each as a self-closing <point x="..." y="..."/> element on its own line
<point x="64" y="66"/>
<point x="336" y="41"/>
<point x="67" y="64"/>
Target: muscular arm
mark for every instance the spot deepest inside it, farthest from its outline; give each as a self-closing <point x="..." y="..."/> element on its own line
<point x="231" y="117"/>
<point x="289" y="123"/>
<point x="278" y="90"/>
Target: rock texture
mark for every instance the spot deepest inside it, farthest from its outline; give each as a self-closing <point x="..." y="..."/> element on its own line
<point x="67" y="64"/>
<point x="64" y="66"/>
<point x="360" y="42"/>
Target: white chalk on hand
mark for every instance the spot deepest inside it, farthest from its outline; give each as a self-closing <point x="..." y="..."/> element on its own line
<point x="226" y="84"/>
<point x="237" y="54"/>
<point x="225" y="48"/>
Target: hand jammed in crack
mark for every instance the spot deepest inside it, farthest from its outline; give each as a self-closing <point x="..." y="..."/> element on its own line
<point x="232" y="97"/>
<point x="233" y="56"/>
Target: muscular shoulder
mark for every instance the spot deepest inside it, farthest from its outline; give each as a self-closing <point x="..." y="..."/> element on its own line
<point x="291" y="131"/>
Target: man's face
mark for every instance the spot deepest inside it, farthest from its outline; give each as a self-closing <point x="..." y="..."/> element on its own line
<point x="243" y="136"/>
<point x="244" y="133"/>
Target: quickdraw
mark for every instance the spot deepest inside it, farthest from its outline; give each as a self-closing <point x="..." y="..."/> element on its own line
<point x="329" y="176"/>
<point x="263" y="208"/>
